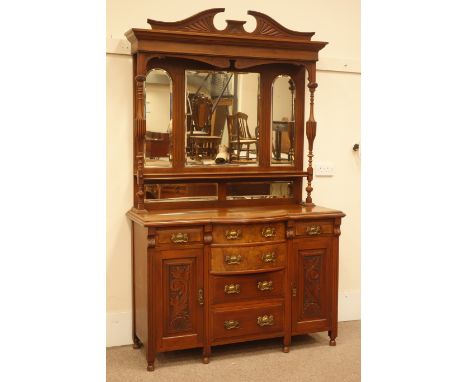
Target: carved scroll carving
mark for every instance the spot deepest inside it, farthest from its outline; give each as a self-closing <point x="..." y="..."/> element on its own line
<point x="179" y="292"/>
<point x="312" y="269"/>
<point x="203" y="23"/>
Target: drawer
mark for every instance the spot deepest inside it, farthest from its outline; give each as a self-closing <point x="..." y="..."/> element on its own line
<point x="247" y="321"/>
<point x="311" y="228"/>
<point x="256" y="286"/>
<point x="248" y="233"/>
<point x="179" y="235"/>
<point x="248" y="258"/>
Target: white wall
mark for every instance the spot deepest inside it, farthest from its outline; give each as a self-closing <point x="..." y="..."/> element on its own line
<point x="337" y="111"/>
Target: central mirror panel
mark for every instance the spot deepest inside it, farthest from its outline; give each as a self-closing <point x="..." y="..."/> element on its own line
<point x="222" y="118"/>
<point x="158" y="115"/>
<point x="283" y="121"/>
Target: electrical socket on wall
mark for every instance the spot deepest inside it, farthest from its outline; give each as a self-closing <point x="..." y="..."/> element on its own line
<point x="324" y="169"/>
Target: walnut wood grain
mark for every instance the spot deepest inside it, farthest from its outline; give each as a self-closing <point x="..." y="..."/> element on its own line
<point x="242" y="233"/>
<point x="252" y="258"/>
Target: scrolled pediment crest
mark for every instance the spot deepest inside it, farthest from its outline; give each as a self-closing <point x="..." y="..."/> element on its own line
<point x="203" y="23"/>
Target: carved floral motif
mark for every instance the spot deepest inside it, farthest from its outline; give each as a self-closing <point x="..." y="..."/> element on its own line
<point x="179" y="292"/>
<point x="312" y="267"/>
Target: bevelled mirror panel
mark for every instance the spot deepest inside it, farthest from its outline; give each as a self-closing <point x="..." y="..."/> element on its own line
<point x="158" y="114"/>
<point x="258" y="190"/>
<point x="180" y="192"/>
<point x="221" y="118"/>
<point x="283" y="121"/>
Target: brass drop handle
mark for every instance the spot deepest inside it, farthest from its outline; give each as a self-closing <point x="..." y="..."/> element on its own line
<point x="269" y="257"/>
<point x="231" y="324"/>
<point x="200" y="297"/>
<point x="232" y="234"/>
<point x="265" y="285"/>
<point x="266" y="320"/>
<point x="268" y="232"/>
<point x="313" y="230"/>
<point x="232" y="259"/>
<point x="180" y="237"/>
<point x="232" y="288"/>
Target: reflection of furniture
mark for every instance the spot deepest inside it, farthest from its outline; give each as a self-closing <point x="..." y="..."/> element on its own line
<point x="157" y="144"/>
<point x="280" y="127"/>
<point x="200" y="140"/>
<point x="239" y="135"/>
<point x="225" y="269"/>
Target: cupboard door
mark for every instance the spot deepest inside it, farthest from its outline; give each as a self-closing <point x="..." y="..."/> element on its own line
<point x="311" y="285"/>
<point x="181" y="299"/>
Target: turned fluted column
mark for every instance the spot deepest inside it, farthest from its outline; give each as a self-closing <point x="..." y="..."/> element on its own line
<point x="311" y="130"/>
<point x="139" y="131"/>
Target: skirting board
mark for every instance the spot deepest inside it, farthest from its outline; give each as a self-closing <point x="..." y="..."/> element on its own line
<point x="119" y="324"/>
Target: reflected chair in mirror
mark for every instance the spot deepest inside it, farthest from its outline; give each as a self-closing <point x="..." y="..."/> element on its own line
<point x="201" y="141"/>
<point x="240" y="138"/>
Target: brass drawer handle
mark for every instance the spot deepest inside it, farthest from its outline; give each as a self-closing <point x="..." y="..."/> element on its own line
<point x="232" y="259"/>
<point x="179" y="237"/>
<point x="269" y="257"/>
<point x="233" y="234"/>
<point x="265" y="285"/>
<point x="268" y="232"/>
<point x="265" y="320"/>
<point x="232" y="288"/>
<point x="313" y="230"/>
<point x="231" y="324"/>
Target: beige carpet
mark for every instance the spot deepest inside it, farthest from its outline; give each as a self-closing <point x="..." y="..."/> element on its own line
<point x="310" y="359"/>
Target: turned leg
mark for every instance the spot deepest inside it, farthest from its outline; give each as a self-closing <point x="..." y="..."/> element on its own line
<point x="332" y="334"/>
<point x="206" y="354"/>
<point x="286" y="344"/>
<point x="150" y="358"/>
<point x="150" y="366"/>
<point x="136" y="343"/>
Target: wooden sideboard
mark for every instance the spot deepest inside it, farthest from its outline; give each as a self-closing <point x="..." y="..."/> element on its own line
<point x="217" y="276"/>
<point x="226" y="245"/>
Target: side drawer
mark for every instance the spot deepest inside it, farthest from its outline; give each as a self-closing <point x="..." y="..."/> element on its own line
<point x="226" y="289"/>
<point x="247" y="321"/>
<point x="248" y="233"/>
<point x="248" y="258"/>
<point x="179" y="235"/>
<point x="311" y="228"/>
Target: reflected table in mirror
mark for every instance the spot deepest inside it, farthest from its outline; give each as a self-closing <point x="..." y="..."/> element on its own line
<point x="278" y="128"/>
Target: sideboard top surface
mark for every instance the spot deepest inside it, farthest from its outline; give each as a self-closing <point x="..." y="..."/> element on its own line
<point x="231" y="215"/>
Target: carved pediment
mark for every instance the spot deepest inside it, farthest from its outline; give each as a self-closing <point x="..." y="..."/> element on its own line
<point x="203" y="23"/>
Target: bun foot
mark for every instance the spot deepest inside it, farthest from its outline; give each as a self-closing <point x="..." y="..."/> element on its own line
<point x="206" y="360"/>
<point x="150" y="367"/>
<point x="332" y="343"/>
<point x="285" y="349"/>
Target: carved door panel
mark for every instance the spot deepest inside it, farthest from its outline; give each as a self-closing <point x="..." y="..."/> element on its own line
<point x="311" y="285"/>
<point x="181" y="299"/>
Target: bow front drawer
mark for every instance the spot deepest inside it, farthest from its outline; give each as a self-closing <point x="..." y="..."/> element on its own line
<point x="255" y="320"/>
<point x="257" y="286"/>
<point x="248" y="233"/>
<point x="248" y="258"/>
<point x="179" y="235"/>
